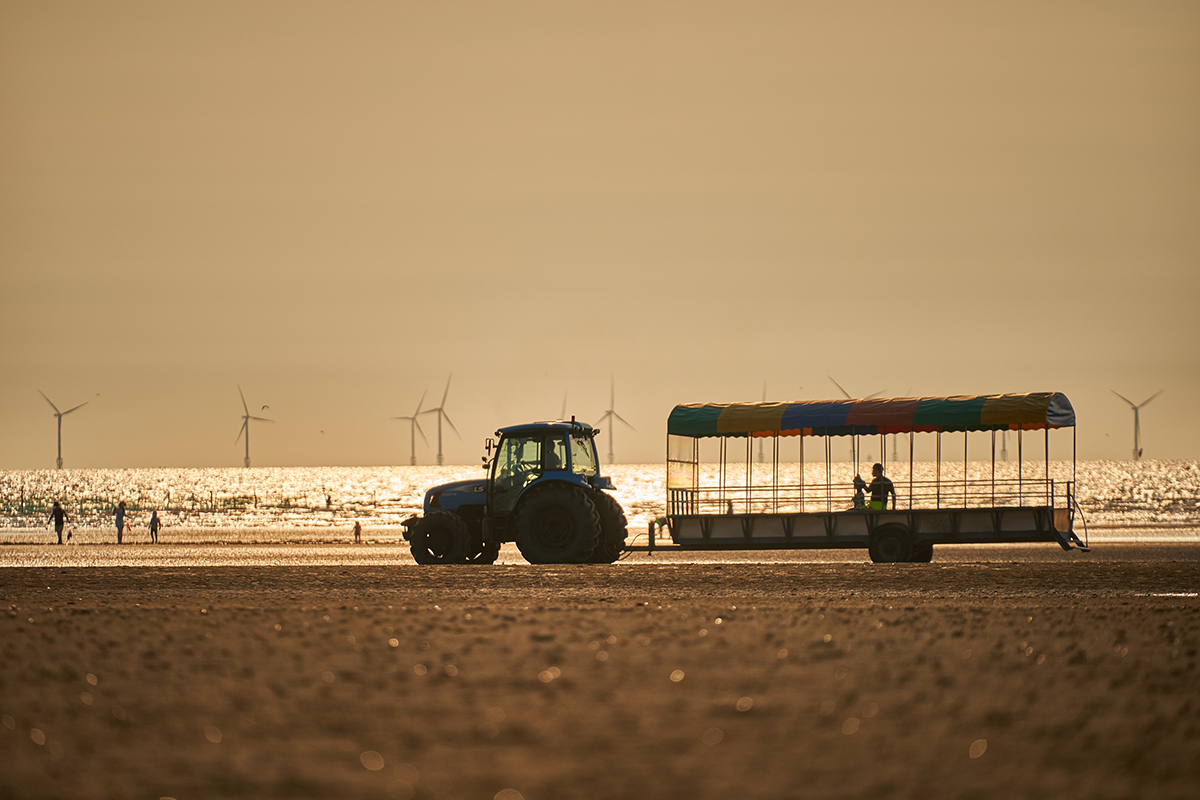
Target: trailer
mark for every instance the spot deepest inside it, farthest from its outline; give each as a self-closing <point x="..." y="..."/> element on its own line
<point x="726" y="501"/>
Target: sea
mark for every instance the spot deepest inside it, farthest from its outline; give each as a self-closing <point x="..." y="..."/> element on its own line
<point x="1123" y="500"/>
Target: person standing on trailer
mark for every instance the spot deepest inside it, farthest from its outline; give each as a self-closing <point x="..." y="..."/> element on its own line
<point x="881" y="486"/>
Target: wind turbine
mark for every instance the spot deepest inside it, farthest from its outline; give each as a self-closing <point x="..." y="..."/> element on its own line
<point x="853" y="451"/>
<point x="415" y="427"/>
<point x="245" y="429"/>
<point x="60" y="415"/>
<point x="608" y="416"/>
<point x="1137" y="427"/>
<point x="441" y="414"/>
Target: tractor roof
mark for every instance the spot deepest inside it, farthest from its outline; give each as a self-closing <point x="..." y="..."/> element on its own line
<point x="565" y="426"/>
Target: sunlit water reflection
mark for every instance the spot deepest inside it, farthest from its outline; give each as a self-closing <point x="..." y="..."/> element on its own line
<point x="311" y="505"/>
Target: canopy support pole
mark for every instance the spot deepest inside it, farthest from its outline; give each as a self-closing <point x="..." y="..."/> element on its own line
<point x="910" y="470"/>
<point x="749" y="470"/>
<point x="801" y="472"/>
<point x="721" y="480"/>
<point x="828" y="478"/>
<point x="966" y="437"/>
<point x="1020" y="476"/>
<point x="993" y="467"/>
<point x="939" y="468"/>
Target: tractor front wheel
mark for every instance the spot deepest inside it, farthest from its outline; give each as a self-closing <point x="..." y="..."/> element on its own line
<point x="440" y="537"/>
<point x="613" y="529"/>
<point x="557" y="525"/>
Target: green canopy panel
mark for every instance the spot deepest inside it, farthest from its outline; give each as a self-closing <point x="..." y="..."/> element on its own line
<point x="1031" y="411"/>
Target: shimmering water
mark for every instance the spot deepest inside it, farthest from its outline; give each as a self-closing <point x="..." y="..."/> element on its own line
<point x="321" y="503"/>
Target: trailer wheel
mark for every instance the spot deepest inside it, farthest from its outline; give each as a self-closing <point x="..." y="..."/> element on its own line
<point x="890" y="545"/>
<point x="922" y="553"/>
<point x="613" y="529"/>
<point x="557" y="525"/>
<point x="440" y="537"/>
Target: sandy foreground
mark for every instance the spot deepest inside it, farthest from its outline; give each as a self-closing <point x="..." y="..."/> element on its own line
<point x="975" y="676"/>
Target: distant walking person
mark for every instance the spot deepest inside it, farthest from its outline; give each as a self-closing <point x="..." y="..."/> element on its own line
<point x="154" y="526"/>
<point x="357" y="532"/>
<point x="60" y="519"/>
<point x="120" y="520"/>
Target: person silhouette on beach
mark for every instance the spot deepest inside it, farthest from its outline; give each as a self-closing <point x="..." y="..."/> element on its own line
<point x="60" y="519"/>
<point x="357" y="532"/>
<point x="154" y="526"/>
<point x="119" y="518"/>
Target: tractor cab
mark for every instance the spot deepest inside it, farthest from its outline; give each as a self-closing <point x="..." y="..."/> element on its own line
<point x="544" y="451"/>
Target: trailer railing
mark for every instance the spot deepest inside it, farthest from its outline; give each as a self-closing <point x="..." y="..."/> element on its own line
<point x="825" y="498"/>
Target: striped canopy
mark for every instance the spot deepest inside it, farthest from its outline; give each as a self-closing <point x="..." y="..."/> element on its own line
<point x="1032" y="411"/>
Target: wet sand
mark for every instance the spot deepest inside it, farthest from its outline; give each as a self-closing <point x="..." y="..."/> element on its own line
<point x="984" y="674"/>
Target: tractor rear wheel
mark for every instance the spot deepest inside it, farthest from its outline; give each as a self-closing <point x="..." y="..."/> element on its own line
<point x="440" y="537"/>
<point x="890" y="545"/>
<point x="557" y="525"/>
<point x="613" y="529"/>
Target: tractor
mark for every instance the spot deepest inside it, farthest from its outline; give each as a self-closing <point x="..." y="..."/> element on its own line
<point x="543" y="490"/>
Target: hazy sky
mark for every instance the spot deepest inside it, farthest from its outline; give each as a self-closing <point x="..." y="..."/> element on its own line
<point x="339" y="204"/>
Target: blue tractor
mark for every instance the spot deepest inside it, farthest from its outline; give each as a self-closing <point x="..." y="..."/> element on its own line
<point x="543" y="491"/>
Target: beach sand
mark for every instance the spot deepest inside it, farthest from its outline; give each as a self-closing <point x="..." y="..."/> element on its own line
<point x="1055" y="678"/>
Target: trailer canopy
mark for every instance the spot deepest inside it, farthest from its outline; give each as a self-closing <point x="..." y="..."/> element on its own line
<point x="1031" y="411"/>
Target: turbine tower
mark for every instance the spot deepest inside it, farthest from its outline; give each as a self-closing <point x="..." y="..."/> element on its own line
<point x="414" y="428"/>
<point x="59" y="415"/>
<point x="609" y="416"/>
<point x="441" y="414"/>
<point x="1137" y="427"/>
<point x="245" y="429"/>
<point x="853" y="450"/>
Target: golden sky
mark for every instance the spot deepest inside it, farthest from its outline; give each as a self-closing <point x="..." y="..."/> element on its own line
<point x="336" y="205"/>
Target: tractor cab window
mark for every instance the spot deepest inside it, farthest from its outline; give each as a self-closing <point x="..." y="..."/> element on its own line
<point x="519" y="459"/>
<point x="583" y="456"/>
<point x="554" y="456"/>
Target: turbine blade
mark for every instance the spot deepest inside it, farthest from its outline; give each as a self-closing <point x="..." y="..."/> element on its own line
<point x="245" y="407"/>
<point x="447" y="392"/>
<point x="618" y="416"/>
<point x="421" y="403"/>
<point x="241" y="430"/>
<point x="840" y="389"/>
<point x="1144" y="402"/>
<point x="447" y="418"/>
<point x="81" y="405"/>
<point x="47" y="399"/>
<point x="1123" y="397"/>
<point x="261" y="419"/>
<point x="417" y="425"/>
<point x="401" y="418"/>
<point x="881" y="391"/>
